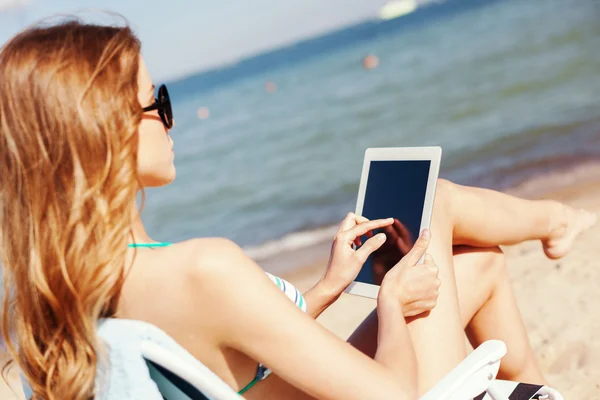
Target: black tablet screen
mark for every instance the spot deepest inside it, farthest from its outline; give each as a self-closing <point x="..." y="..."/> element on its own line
<point x="394" y="189"/>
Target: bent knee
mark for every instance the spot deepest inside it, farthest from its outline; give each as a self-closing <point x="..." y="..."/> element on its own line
<point x="488" y="262"/>
<point x="443" y="189"/>
<point x="443" y="197"/>
<point x="493" y="263"/>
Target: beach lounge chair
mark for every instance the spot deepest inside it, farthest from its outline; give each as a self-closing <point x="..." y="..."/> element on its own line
<point x="143" y="362"/>
<point x="474" y="378"/>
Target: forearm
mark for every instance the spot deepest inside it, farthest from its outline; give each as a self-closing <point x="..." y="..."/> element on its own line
<point x="319" y="298"/>
<point x="395" y="349"/>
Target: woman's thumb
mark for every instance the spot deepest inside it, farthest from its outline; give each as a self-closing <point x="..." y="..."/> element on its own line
<point x="419" y="248"/>
<point x="428" y="259"/>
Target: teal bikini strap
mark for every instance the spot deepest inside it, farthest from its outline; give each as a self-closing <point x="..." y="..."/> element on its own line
<point x="161" y="244"/>
<point x="248" y="386"/>
<point x="261" y="373"/>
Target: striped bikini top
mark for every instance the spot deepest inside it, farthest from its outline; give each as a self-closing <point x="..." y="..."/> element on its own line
<point x="289" y="290"/>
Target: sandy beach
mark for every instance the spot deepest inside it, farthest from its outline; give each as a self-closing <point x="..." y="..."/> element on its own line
<point x="558" y="299"/>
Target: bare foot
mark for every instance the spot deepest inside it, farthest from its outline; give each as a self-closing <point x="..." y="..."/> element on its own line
<point x="561" y="238"/>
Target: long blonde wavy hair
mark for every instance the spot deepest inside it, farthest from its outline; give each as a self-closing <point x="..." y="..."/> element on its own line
<point x="69" y="117"/>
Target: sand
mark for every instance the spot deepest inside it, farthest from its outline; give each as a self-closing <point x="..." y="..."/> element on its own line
<point x="559" y="300"/>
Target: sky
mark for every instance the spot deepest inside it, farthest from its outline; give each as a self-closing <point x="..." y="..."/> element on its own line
<point x="182" y="37"/>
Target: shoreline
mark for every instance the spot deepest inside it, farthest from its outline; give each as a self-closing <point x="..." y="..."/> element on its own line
<point x="562" y="184"/>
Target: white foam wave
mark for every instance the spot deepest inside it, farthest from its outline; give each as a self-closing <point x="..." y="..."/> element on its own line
<point x="293" y="241"/>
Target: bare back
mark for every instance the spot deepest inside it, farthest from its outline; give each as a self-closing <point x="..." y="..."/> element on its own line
<point x="158" y="290"/>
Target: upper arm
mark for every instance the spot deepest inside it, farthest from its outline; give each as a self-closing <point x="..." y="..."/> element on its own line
<point x="251" y="315"/>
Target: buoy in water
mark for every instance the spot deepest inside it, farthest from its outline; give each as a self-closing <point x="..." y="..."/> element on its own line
<point x="203" y="113"/>
<point x="270" y="87"/>
<point x="370" y="62"/>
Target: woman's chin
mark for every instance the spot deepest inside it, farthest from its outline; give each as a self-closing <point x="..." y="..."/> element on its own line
<point x="170" y="178"/>
<point x="159" y="180"/>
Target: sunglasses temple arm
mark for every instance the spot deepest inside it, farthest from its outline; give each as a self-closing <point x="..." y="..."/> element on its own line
<point x="153" y="107"/>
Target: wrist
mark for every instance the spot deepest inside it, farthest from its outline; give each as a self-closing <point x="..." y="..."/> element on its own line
<point x="387" y="302"/>
<point x="330" y="288"/>
<point x="319" y="297"/>
<point x="390" y="317"/>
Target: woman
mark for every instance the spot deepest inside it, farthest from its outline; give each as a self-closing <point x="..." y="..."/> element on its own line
<point x="81" y="132"/>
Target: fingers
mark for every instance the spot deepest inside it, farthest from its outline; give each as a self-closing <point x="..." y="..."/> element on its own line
<point x="419" y="308"/>
<point x="391" y="234"/>
<point x="347" y="223"/>
<point x="419" y="249"/>
<point x="428" y="259"/>
<point x="360" y="218"/>
<point x="350" y="221"/>
<point x="369" y="247"/>
<point x="423" y="291"/>
<point x="430" y="274"/>
<point x="363" y="228"/>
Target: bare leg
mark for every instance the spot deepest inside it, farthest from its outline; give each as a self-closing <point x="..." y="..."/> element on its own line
<point x="438" y="338"/>
<point x="486" y="218"/>
<point x="482" y="218"/>
<point x="488" y="310"/>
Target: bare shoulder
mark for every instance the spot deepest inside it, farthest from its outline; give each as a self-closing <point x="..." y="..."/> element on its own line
<point x="206" y="261"/>
<point x="197" y="255"/>
<point x="204" y="258"/>
<point x="193" y="269"/>
<point x="210" y="248"/>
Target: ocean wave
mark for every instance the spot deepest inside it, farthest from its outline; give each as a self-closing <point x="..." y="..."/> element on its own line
<point x="292" y="242"/>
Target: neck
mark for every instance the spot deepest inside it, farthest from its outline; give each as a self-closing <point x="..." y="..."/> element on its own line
<point x="138" y="232"/>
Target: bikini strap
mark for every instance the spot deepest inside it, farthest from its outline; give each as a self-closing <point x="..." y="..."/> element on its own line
<point x="160" y="244"/>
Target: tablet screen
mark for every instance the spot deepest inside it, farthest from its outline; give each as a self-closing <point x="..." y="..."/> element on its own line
<point x="394" y="189"/>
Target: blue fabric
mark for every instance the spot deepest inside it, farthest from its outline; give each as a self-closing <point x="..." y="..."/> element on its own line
<point x="122" y="372"/>
<point x="26" y="388"/>
<point x="124" y="375"/>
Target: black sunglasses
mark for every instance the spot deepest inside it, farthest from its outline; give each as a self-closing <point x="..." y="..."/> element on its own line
<point x="163" y="105"/>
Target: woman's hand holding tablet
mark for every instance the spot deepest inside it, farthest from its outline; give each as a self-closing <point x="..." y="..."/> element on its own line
<point x="414" y="285"/>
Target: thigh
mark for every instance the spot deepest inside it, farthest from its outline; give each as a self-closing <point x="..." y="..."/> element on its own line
<point x="438" y="338"/>
<point x="476" y="271"/>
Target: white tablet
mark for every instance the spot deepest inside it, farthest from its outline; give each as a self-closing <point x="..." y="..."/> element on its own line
<point x="398" y="183"/>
